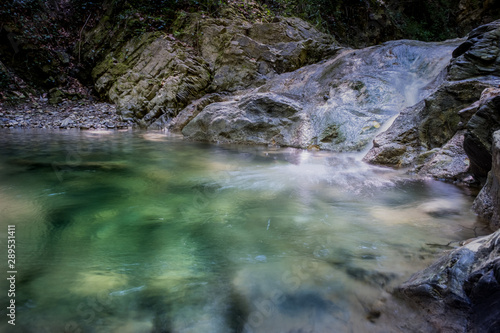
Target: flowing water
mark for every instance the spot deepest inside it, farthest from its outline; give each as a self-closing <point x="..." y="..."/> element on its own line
<point x="142" y="232"/>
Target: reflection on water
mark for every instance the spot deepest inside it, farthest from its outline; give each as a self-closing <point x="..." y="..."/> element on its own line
<point x="139" y="232"/>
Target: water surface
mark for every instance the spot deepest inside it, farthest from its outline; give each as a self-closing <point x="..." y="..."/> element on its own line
<point x="142" y="232"/>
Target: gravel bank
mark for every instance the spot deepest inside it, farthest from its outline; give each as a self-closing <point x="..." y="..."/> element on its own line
<point x="83" y="114"/>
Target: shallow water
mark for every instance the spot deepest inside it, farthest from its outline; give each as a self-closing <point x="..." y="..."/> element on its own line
<point x="141" y="232"/>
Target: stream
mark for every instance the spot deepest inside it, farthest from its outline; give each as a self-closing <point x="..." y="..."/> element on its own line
<point x="130" y="231"/>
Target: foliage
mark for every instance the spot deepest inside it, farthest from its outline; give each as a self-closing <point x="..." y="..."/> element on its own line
<point x="429" y="20"/>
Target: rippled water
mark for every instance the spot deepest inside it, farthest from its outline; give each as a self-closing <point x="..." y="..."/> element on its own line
<point x="140" y="232"/>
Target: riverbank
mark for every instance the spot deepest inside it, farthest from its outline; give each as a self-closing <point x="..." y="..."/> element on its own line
<point x="82" y="114"/>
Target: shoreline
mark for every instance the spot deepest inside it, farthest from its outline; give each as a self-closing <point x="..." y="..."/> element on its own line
<point x="81" y="114"/>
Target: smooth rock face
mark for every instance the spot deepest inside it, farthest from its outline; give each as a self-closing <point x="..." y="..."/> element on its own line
<point x="487" y="203"/>
<point x="258" y="118"/>
<point x="339" y="104"/>
<point x="460" y="292"/>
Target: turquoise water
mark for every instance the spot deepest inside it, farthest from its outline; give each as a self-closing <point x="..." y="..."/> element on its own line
<point x="143" y="232"/>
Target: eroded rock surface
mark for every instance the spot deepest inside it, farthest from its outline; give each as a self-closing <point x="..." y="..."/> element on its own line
<point x="420" y="131"/>
<point x="242" y="54"/>
<point x="154" y="76"/>
<point x="478" y="138"/>
<point x="339" y="104"/>
<point x="478" y="55"/>
<point x="428" y="137"/>
<point x="150" y="76"/>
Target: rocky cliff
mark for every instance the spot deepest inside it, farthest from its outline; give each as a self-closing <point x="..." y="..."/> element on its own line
<point x="154" y="76"/>
<point x="453" y="134"/>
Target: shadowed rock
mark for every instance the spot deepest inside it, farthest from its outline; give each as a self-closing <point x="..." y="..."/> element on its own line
<point x="459" y="292"/>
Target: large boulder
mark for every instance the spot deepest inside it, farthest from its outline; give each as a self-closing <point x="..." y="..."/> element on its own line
<point x="338" y="104"/>
<point x="461" y="291"/>
<point x="257" y="118"/>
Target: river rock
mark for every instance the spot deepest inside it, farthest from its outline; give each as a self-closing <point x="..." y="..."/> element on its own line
<point x="258" y="118"/>
<point x="459" y="292"/>
<point x="187" y="114"/>
<point x="339" y="104"/>
<point x="449" y="162"/>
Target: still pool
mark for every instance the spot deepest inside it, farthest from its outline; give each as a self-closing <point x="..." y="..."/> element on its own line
<point x="144" y="232"/>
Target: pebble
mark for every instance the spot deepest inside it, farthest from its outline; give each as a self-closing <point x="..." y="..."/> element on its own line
<point x="85" y="115"/>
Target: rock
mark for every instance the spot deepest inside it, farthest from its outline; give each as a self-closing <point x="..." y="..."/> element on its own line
<point x="55" y="96"/>
<point x="479" y="55"/>
<point x="472" y="13"/>
<point x="427" y="137"/>
<point x="487" y="203"/>
<point x="365" y="89"/>
<point x="150" y="76"/>
<point x="420" y="131"/>
<point x="449" y="162"/>
<point x="482" y="124"/>
<point x="483" y="289"/>
<point x="155" y="76"/>
<point x="245" y="53"/>
<point x="66" y="122"/>
<point x="188" y="113"/>
<point x="258" y="118"/>
<point x="459" y="292"/>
